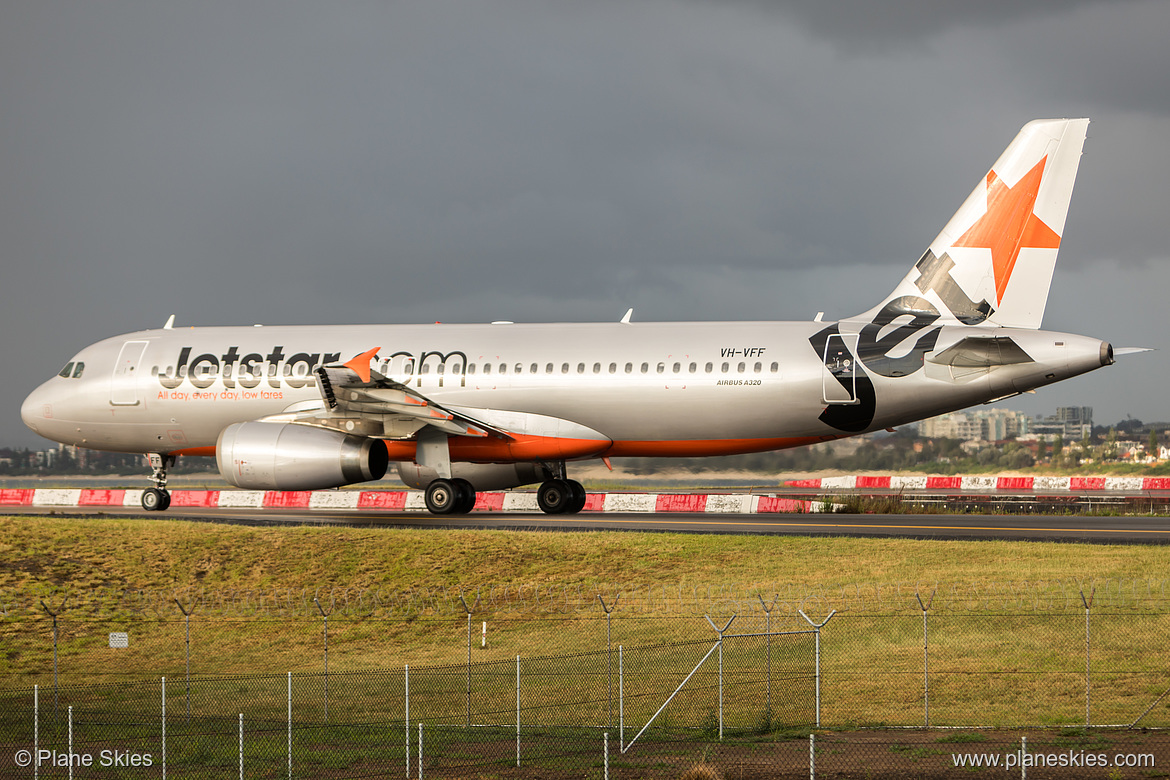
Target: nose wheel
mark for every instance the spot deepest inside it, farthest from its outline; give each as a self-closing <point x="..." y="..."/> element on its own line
<point x="158" y="498"/>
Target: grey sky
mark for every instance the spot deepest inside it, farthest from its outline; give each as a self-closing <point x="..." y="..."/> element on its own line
<point x="286" y="162"/>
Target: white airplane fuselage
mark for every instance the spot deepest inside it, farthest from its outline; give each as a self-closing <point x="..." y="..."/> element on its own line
<point x="647" y="389"/>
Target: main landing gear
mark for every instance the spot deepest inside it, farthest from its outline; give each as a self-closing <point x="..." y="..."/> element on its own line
<point x="158" y="498"/>
<point x="450" y="496"/>
<point x="457" y="497"/>
<point x="561" y="497"/>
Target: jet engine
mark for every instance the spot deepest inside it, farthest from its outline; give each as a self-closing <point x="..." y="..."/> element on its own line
<point x="482" y="476"/>
<point x="285" y="456"/>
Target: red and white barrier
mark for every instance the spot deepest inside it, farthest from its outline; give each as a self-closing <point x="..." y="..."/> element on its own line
<point x="985" y="483"/>
<point x="665" y="503"/>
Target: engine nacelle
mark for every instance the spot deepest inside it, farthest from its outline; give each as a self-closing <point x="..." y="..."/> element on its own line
<point x="284" y="456"/>
<point x="482" y="476"/>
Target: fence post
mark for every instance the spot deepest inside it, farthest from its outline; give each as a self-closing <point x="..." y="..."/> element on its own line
<point x="925" y="656"/>
<point x="1088" y="653"/>
<point x="609" y="648"/>
<point x="420" y="751"/>
<point x="325" y="631"/>
<point x="290" y="726"/>
<point x="36" y="731"/>
<point x="768" y="630"/>
<point x="408" y="720"/>
<point x="517" y="710"/>
<point x="621" y="702"/>
<point x="53" y="615"/>
<point x="241" y="746"/>
<point x="818" y="627"/>
<point x="164" y="728"/>
<point x="1023" y="763"/>
<point x="605" y="753"/>
<point x="469" y="610"/>
<point x="812" y="756"/>
<point x="720" y="631"/>
<point x="187" y="619"/>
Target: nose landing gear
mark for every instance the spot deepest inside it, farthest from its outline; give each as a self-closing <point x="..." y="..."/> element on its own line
<point x="158" y="498"/>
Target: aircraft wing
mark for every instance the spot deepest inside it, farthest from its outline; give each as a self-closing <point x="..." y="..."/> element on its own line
<point x="355" y="398"/>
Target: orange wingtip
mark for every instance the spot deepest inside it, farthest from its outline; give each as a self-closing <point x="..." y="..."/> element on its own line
<point x="360" y="364"/>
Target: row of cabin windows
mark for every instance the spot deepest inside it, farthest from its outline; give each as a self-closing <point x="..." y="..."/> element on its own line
<point x="644" y="368"/>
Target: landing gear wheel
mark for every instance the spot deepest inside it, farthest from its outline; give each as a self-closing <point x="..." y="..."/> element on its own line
<point x="555" y="497"/>
<point x="466" y="496"/>
<point x="155" y="500"/>
<point x="579" y="497"/>
<point x="443" y="497"/>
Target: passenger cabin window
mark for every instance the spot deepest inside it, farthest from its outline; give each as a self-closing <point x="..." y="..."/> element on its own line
<point x="597" y="368"/>
<point x="726" y="367"/>
<point x="661" y="367"/>
<point x="534" y="368"/>
<point x="426" y="368"/>
<point x="613" y="368"/>
<point x="503" y="368"/>
<point x="629" y="368"/>
<point x="742" y="367"/>
<point x="564" y="368"/>
<point x="775" y="367"/>
<point x="487" y="368"/>
<point x="471" y="368"/>
<point x="759" y="367"/>
<point x="519" y="368"/>
<point x="693" y="367"/>
<point x="677" y="368"/>
<point x="709" y="368"/>
<point x="580" y="368"/>
<point x="645" y="367"/>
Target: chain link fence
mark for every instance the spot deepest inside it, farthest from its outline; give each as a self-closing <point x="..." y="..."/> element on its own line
<point x="641" y="682"/>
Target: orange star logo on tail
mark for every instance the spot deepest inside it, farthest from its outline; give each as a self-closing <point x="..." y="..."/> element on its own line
<point x="1010" y="224"/>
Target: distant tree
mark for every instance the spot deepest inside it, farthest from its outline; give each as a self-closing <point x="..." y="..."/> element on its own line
<point x="1153" y="447"/>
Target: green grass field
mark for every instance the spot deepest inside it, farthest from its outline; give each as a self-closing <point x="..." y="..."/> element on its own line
<point x="1007" y="629"/>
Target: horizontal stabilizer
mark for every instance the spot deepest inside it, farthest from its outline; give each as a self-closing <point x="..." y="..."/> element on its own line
<point x="982" y="352"/>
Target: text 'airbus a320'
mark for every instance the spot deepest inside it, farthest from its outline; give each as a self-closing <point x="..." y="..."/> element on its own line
<point x="463" y="408"/>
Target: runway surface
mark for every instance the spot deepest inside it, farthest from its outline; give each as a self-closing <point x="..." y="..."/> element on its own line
<point x="1065" y="528"/>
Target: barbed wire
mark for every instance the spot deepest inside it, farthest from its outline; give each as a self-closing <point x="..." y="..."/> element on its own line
<point x="581" y="599"/>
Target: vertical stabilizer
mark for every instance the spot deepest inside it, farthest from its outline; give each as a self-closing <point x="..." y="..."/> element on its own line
<point x="994" y="259"/>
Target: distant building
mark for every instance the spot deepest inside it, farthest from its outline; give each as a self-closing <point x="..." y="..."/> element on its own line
<point x="1073" y="423"/>
<point x="977" y="425"/>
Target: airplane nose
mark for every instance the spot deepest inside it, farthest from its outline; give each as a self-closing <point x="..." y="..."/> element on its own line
<point x="32" y="410"/>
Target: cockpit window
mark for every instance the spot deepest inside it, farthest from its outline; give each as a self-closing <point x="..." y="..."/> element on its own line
<point x="67" y="371"/>
<point x="72" y="370"/>
<point x="77" y="369"/>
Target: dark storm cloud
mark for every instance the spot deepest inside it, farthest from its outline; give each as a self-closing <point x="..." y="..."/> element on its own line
<point x="298" y="162"/>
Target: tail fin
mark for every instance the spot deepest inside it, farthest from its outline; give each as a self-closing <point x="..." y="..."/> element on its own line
<point x="994" y="259"/>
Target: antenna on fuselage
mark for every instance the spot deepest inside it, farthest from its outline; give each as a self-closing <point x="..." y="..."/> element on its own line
<point x="170" y="323"/>
<point x="628" y="315"/>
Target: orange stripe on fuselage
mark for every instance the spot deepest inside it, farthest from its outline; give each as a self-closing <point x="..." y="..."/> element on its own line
<point x="467" y="449"/>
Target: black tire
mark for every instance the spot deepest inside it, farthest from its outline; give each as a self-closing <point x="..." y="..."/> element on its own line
<point x="554" y="497"/>
<point x="166" y="504"/>
<point x="154" y="500"/>
<point x="442" y="497"/>
<point x="579" y="497"/>
<point x="466" y="496"/>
